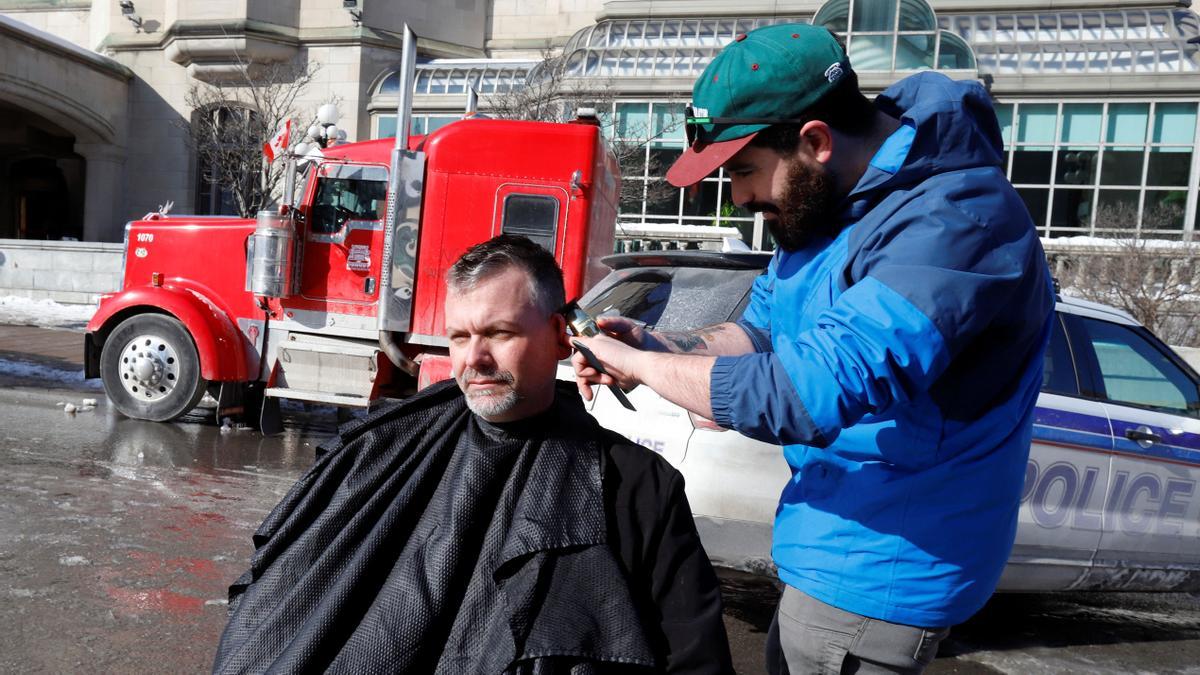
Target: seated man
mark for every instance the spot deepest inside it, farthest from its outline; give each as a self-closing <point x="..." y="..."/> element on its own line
<point x="488" y="527"/>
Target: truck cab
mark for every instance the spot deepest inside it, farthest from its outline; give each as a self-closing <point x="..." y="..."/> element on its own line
<point x="326" y="300"/>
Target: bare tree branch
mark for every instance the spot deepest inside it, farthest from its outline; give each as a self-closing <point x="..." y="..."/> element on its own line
<point x="232" y="120"/>
<point x="550" y="94"/>
<point x="1158" y="283"/>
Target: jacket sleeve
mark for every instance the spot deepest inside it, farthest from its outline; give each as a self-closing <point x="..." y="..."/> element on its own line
<point x="756" y="320"/>
<point x="920" y="290"/>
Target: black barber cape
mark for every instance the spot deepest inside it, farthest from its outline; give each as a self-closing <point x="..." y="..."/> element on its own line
<point x="425" y="540"/>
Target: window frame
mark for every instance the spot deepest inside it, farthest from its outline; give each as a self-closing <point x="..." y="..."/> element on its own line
<point x="551" y="199"/>
<point x="562" y="211"/>
<point x="1060" y="323"/>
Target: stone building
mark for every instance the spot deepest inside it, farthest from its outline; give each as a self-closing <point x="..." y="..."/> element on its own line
<point x="1098" y="101"/>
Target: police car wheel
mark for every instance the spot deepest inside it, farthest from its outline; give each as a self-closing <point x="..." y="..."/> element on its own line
<point x="150" y="368"/>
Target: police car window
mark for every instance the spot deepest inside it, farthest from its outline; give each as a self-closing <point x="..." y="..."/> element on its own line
<point x="672" y="298"/>
<point x="348" y="193"/>
<point x="533" y="216"/>
<point x="1136" y="372"/>
<point x="1058" y="371"/>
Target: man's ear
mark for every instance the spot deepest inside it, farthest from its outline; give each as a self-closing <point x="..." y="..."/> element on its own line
<point x="817" y="138"/>
<point x="562" y="338"/>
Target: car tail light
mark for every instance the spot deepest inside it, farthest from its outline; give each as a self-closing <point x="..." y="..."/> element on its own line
<point x="703" y="423"/>
<point x="652" y="261"/>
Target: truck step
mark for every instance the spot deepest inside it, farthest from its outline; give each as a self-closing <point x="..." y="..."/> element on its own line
<point x="317" y="397"/>
<point x="330" y="370"/>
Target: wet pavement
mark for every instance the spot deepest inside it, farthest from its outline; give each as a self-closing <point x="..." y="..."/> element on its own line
<point x="1052" y="634"/>
<point x="118" y="539"/>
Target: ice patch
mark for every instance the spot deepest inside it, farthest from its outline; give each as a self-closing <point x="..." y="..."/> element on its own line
<point x="20" y="311"/>
<point x="41" y="371"/>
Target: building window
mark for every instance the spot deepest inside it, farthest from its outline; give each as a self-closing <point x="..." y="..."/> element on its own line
<point x="385" y="125"/>
<point x="649" y="138"/>
<point x="220" y="136"/>
<point x="1104" y="168"/>
<point x="894" y="35"/>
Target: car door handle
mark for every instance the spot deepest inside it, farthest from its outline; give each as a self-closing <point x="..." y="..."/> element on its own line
<point x="1143" y="434"/>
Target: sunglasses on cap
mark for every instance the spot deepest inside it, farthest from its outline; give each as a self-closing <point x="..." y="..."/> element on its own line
<point x="692" y="122"/>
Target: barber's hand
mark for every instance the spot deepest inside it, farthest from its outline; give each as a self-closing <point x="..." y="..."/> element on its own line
<point x="618" y="358"/>
<point x="629" y="331"/>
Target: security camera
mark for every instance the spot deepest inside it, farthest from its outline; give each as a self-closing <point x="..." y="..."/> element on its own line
<point x="355" y="10"/>
<point x="128" y="12"/>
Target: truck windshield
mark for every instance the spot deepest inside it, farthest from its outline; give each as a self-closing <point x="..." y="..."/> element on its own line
<point x="672" y="298"/>
<point x="348" y="193"/>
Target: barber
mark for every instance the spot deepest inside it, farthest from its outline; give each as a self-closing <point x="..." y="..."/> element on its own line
<point x="893" y="347"/>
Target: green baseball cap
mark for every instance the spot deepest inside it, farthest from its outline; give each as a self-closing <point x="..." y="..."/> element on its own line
<point x="767" y="76"/>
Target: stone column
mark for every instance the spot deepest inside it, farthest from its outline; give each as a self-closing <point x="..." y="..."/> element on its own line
<point x="104" y="214"/>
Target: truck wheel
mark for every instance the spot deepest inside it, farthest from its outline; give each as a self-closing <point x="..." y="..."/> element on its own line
<point x="150" y="368"/>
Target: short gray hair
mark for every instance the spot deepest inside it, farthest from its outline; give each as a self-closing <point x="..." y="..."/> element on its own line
<point x="508" y="250"/>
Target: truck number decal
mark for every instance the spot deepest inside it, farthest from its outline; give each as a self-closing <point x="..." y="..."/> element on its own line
<point x="145" y="236"/>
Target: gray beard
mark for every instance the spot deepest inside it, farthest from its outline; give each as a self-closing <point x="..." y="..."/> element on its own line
<point x="497" y="401"/>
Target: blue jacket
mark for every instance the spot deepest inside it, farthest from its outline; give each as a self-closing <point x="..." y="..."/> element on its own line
<point x="899" y="364"/>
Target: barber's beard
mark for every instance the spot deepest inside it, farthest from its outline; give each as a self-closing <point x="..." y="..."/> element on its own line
<point x="498" y="399"/>
<point x="806" y="210"/>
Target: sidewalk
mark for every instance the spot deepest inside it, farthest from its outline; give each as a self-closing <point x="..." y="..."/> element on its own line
<point x="50" y="346"/>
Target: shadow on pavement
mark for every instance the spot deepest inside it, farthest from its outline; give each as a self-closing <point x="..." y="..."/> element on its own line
<point x="1018" y="621"/>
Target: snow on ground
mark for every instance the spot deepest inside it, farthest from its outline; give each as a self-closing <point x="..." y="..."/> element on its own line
<point x="18" y="311"/>
<point x="1116" y="243"/>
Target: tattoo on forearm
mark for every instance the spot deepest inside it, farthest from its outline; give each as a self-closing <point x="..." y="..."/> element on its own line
<point x="684" y="342"/>
<point x="697" y="340"/>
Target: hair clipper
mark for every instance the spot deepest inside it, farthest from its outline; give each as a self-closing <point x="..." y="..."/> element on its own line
<point x="579" y="322"/>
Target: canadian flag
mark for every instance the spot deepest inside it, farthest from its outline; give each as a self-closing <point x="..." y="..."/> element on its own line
<point x="279" y="142"/>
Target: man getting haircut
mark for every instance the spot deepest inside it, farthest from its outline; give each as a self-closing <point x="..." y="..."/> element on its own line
<point x="486" y="525"/>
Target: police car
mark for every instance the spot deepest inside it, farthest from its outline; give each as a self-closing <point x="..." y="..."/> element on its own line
<point x="1110" y="498"/>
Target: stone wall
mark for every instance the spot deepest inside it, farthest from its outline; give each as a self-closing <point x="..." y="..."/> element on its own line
<point x="74" y="272"/>
<point x="525" y="27"/>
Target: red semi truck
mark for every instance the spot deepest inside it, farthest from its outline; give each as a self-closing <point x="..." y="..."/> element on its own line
<point x="337" y="296"/>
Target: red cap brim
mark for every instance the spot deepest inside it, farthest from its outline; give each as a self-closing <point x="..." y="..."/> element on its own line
<point x="701" y="159"/>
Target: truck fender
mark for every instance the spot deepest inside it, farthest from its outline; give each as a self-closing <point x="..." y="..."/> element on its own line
<point x="218" y="341"/>
<point x="434" y="369"/>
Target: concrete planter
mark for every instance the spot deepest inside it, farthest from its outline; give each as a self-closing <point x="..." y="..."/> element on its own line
<point x="74" y="272"/>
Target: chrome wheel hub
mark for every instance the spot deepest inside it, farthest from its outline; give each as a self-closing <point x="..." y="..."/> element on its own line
<point x="149" y="368"/>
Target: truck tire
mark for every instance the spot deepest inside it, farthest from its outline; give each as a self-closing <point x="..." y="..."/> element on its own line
<point x="150" y="368"/>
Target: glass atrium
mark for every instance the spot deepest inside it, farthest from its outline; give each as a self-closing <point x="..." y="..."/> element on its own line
<point x="1099" y="109"/>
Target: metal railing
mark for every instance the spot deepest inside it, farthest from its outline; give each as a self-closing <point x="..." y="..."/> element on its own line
<point x="655" y="237"/>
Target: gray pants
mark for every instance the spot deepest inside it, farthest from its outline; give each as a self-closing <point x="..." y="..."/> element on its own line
<point x="819" y="638"/>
